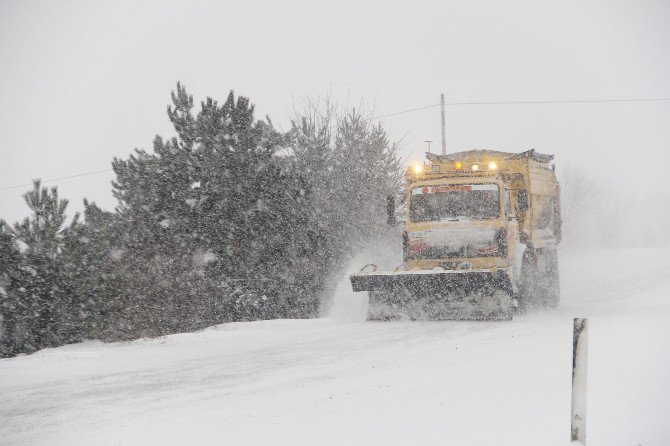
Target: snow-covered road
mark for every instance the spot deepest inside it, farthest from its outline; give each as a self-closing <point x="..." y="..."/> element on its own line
<point x="329" y="381"/>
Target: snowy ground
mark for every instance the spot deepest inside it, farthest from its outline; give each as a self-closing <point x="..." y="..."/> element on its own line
<point x="334" y="381"/>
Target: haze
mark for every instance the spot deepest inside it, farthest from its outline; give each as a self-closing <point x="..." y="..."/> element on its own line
<point x="82" y="82"/>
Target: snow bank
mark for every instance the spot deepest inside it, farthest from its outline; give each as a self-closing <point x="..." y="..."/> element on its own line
<point x="327" y="381"/>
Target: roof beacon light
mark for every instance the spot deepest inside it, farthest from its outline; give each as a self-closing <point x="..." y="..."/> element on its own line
<point x="493" y="165"/>
<point x="417" y="168"/>
<point x="458" y="165"/>
<point x="475" y="167"/>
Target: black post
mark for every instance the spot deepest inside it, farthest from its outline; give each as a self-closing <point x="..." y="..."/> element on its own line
<point x="390" y="209"/>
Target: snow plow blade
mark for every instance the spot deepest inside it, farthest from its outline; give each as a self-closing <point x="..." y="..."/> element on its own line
<point x="424" y="280"/>
<point x="430" y="294"/>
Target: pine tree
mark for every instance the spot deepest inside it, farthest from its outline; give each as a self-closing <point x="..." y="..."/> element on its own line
<point x="228" y="220"/>
<point x="350" y="166"/>
<point x="211" y="209"/>
<point x="10" y="306"/>
<point x="370" y="170"/>
<point x="90" y="265"/>
<point x="44" y="300"/>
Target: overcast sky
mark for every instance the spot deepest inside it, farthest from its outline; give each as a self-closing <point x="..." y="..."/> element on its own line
<point x="82" y="82"/>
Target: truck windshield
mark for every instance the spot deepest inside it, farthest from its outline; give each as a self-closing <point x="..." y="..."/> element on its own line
<point x="452" y="202"/>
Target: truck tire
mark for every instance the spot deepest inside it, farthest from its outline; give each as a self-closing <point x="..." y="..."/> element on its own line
<point x="551" y="286"/>
<point x="528" y="286"/>
<point x="540" y="284"/>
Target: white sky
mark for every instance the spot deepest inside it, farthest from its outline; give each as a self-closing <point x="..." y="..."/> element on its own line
<point x="82" y="82"/>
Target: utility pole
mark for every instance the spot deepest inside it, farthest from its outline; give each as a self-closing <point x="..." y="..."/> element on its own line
<point x="444" y="135"/>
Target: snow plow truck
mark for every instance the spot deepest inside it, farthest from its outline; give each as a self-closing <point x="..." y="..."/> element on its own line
<point x="480" y="238"/>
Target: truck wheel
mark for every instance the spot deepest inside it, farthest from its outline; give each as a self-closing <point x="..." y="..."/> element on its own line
<point x="552" y="285"/>
<point x="528" y="284"/>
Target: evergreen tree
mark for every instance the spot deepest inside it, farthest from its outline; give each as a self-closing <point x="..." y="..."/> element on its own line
<point x="369" y="169"/>
<point x="10" y="306"/>
<point x="228" y="220"/>
<point x="43" y="300"/>
<point x="90" y="266"/>
<point x="350" y="166"/>
<point x="212" y="219"/>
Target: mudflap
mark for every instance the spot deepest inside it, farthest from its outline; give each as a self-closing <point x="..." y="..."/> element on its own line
<point x="426" y="295"/>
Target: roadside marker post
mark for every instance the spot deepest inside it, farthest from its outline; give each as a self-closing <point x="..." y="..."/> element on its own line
<point x="580" y="345"/>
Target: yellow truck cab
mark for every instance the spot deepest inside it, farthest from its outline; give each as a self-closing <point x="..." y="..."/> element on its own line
<point x="480" y="237"/>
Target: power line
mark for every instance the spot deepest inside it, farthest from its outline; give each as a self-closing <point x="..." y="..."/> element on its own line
<point x="57" y="179"/>
<point x="406" y="111"/>
<point x="569" y="101"/>
<point x="572" y="101"/>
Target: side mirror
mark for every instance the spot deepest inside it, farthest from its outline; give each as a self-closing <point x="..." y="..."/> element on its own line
<point x="522" y="199"/>
<point x="390" y="209"/>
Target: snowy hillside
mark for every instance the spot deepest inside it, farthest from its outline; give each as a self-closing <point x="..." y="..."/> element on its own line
<point x="331" y="381"/>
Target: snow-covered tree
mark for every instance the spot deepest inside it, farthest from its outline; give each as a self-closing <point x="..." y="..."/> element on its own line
<point x="213" y="221"/>
<point x="40" y="303"/>
<point x="350" y="166"/>
<point x="227" y="220"/>
<point x="10" y="307"/>
<point x="90" y="264"/>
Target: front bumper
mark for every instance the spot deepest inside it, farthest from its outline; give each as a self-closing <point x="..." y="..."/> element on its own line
<point x="429" y="281"/>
